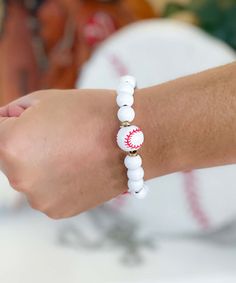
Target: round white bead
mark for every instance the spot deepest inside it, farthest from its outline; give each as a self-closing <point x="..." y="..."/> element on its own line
<point x="124" y="100"/>
<point x="129" y="79"/>
<point x="135" y="186"/>
<point x="126" y="113"/>
<point x="133" y="162"/>
<point x="136" y="174"/>
<point x="125" y="88"/>
<point x="130" y="138"/>
<point x="141" y="194"/>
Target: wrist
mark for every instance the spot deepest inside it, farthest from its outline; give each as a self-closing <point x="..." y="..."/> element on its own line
<point x="161" y="154"/>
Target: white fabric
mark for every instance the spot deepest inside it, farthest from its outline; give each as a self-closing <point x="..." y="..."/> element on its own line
<point x="30" y="253"/>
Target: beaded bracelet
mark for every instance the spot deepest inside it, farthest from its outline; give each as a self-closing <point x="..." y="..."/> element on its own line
<point x="130" y="138"/>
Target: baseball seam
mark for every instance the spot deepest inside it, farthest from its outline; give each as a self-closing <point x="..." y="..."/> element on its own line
<point x="118" y="65"/>
<point x="192" y="195"/>
<point x="128" y="141"/>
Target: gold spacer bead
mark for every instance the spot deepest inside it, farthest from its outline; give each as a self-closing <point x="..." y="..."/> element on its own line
<point x="133" y="153"/>
<point x="125" y="124"/>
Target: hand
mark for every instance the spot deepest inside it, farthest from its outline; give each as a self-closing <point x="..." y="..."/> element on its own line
<point x="59" y="149"/>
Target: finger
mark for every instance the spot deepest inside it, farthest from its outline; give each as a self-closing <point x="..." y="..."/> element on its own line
<point x="11" y="110"/>
<point x="34" y="97"/>
<point x="18" y="106"/>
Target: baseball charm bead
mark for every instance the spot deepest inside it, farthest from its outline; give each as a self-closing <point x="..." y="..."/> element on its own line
<point x="135" y="186"/>
<point x="133" y="162"/>
<point x="130" y="80"/>
<point x="130" y="138"/>
<point x="124" y="100"/>
<point x="126" y="113"/>
<point x="136" y="174"/>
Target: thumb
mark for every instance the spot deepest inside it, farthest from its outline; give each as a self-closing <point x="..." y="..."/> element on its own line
<point x="10" y="110"/>
<point x="10" y="113"/>
<point x="17" y="107"/>
<point x="8" y="116"/>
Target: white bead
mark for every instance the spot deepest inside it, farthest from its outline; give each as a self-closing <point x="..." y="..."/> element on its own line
<point x="135" y="186"/>
<point x="133" y="162"/>
<point x="129" y="79"/>
<point x="125" y="88"/>
<point x="124" y="100"/>
<point x="126" y="113"/>
<point x="130" y="138"/>
<point x="141" y="194"/>
<point x="136" y="174"/>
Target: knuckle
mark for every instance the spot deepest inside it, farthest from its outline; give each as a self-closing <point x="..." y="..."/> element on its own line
<point x="54" y="215"/>
<point x="17" y="184"/>
<point x="37" y="93"/>
<point x="36" y="203"/>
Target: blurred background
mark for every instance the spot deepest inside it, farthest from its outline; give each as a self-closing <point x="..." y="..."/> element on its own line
<point x="185" y="230"/>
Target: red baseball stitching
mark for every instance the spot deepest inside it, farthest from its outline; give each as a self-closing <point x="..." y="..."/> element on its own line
<point x="192" y="195"/>
<point x="128" y="141"/>
<point x="118" y="65"/>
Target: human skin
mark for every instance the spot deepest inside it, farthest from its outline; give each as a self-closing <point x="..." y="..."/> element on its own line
<point x="58" y="147"/>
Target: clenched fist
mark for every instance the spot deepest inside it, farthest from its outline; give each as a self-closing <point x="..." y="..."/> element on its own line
<point x="59" y="149"/>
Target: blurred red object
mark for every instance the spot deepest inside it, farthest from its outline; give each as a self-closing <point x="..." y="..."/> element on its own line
<point x="68" y="31"/>
<point x="85" y="25"/>
<point x="18" y="69"/>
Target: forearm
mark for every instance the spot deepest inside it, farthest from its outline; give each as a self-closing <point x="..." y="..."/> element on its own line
<point x="189" y="123"/>
<point x="75" y="163"/>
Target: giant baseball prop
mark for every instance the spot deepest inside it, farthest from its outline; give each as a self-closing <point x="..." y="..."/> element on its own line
<point x="156" y="51"/>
